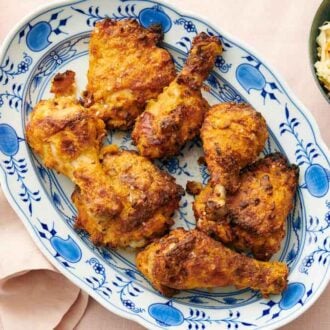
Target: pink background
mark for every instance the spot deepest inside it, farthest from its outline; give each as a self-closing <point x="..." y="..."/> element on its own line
<point x="278" y="31"/>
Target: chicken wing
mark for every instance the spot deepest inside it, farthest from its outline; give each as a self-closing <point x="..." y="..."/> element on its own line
<point x="148" y="198"/>
<point x="177" y="114"/>
<point x="254" y="217"/>
<point x="233" y="136"/>
<point x="190" y="259"/>
<point x="126" y="69"/>
<point x="123" y="201"/>
<point x="65" y="136"/>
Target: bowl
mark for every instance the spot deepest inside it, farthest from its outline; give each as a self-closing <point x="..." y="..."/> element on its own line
<point x="322" y="15"/>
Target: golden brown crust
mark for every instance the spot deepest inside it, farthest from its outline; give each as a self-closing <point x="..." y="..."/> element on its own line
<point x="123" y="200"/>
<point x="148" y="198"/>
<point x="200" y="60"/>
<point x="68" y="139"/>
<point x="266" y="195"/>
<point x="126" y="69"/>
<point x="233" y="136"/>
<point x="193" y="187"/>
<point x="177" y="114"/>
<point x="61" y="131"/>
<point x="186" y="260"/>
<point x="209" y="222"/>
<point x="255" y="216"/>
<point x="64" y="84"/>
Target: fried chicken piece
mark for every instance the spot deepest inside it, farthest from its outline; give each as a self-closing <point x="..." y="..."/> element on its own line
<point x="62" y="132"/>
<point x="177" y="114"/>
<point x="64" y="84"/>
<point x="148" y="197"/>
<point x="254" y="217"/>
<point x="126" y="69"/>
<point x="194" y="188"/>
<point x="68" y="139"/>
<point x="210" y="211"/>
<point x="186" y="260"/>
<point x="233" y="136"/>
<point x="125" y="194"/>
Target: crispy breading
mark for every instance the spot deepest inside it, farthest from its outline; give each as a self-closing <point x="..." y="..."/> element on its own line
<point x="194" y="187"/>
<point x="68" y="139"/>
<point x="122" y="201"/>
<point x="233" y="136"/>
<point x="176" y="116"/>
<point x="148" y="199"/>
<point x="186" y="260"/>
<point x="64" y="84"/>
<point x="62" y="132"/>
<point x="212" y="223"/>
<point x="254" y="217"/>
<point x="126" y="69"/>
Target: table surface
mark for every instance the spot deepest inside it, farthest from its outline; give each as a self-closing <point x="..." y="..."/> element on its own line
<point x="278" y="31"/>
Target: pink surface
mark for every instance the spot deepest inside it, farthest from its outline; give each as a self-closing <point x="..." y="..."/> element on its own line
<point x="32" y="294"/>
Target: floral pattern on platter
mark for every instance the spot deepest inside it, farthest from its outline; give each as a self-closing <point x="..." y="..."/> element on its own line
<point x="66" y="249"/>
<point x="167" y="315"/>
<point x="98" y="282"/>
<point x="12" y="96"/>
<point x="322" y="253"/>
<point x="173" y="166"/>
<point x="317" y="178"/>
<point x="188" y="25"/>
<point x="314" y="225"/>
<point x="37" y="35"/>
<point x="250" y="77"/>
<point x="8" y="70"/>
<point x="128" y="291"/>
<point x="42" y="197"/>
<point x="59" y="56"/>
<point x="183" y="214"/>
<point x="124" y="288"/>
<point x="146" y="17"/>
<point x="16" y="167"/>
<point x="294" y="294"/>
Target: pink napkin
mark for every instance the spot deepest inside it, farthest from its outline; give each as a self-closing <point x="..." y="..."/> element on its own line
<point x="33" y="295"/>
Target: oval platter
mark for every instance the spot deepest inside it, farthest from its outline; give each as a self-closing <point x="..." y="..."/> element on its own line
<point x="55" y="38"/>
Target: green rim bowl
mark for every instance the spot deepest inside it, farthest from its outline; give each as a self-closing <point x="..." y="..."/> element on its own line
<point x="322" y="15"/>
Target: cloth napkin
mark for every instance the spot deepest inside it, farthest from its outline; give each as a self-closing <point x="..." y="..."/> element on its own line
<point x="33" y="295"/>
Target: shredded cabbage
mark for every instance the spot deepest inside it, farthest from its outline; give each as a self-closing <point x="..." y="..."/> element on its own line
<point x="323" y="51"/>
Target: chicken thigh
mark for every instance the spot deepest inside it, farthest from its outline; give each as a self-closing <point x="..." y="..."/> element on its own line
<point x="126" y="69"/>
<point x="254" y="217"/>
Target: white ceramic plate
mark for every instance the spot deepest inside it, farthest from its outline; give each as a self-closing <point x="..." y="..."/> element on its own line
<point x="56" y="38"/>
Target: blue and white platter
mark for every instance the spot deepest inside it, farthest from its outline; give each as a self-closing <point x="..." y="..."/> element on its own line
<point x="55" y="38"/>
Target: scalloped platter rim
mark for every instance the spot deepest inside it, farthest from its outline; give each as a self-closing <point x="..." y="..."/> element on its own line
<point x="55" y="38"/>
